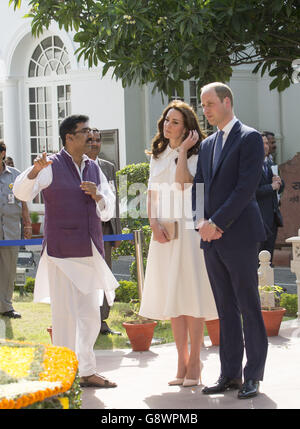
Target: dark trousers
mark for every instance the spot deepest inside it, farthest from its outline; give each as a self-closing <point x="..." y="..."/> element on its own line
<point x="8" y="268"/>
<point x="234" y="282"/>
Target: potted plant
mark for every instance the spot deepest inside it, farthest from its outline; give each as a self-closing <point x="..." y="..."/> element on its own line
<point x="213" y="329"/>
<point x="36" y="225"/>
<point x="270" y="306"/>
<point x="139" y="330"/>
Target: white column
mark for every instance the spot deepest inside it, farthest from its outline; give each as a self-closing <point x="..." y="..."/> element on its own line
<point x="295" y="264"/>
<point x="11" y="119"/>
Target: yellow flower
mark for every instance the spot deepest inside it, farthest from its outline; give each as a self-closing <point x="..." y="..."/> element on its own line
<point x="64" y="402"/>
<point x="18" y="360"/>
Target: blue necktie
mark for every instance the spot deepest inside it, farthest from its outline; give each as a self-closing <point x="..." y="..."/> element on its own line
<point x="218" y="149"/>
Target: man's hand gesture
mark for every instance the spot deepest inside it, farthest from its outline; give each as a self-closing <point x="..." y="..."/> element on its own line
<point x="39" y="163"/>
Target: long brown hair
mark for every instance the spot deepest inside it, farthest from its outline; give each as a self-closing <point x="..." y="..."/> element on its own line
<point x="191" y="122"/>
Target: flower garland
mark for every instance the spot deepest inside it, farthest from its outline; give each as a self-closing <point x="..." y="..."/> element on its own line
<point x="31" y="373"/>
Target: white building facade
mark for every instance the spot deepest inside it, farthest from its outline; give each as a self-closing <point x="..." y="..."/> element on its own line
<point x="41" y="82"/>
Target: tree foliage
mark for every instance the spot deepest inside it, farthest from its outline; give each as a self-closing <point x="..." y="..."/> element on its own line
<point x="168" y="41"/>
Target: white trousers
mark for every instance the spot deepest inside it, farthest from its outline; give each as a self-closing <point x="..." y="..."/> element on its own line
<point x="75" y="319"/>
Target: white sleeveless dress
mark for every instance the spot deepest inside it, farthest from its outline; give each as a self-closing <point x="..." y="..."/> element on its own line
<point x="176" y="281"/>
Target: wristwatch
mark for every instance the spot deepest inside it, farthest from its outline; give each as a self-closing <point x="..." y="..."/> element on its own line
<point x="212" y="223"/>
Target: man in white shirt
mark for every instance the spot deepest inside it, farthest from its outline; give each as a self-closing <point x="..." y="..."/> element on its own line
<point x="72" y="268"/>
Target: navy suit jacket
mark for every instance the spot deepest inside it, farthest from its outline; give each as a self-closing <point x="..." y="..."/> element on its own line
<point x="229" y="193"/>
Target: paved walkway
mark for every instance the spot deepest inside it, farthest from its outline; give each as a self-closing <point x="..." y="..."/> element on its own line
<point x="143" y="377"/>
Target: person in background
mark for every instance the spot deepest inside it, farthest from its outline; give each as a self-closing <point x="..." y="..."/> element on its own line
<point x="9" y="161"/>
<point x="272" y="146"/>
<point x="12" y="210"/>
<point x="111" y="227"/>
<point x="269" y="187"/>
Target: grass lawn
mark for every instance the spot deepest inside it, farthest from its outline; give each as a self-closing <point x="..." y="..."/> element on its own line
<point x="36" y="318"/>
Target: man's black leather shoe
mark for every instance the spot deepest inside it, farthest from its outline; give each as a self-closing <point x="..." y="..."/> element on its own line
<point x="12" y="314"/>
<point x="249" y="389"/>
<point x="224" y="383"/>
<point x="108" y="331"/>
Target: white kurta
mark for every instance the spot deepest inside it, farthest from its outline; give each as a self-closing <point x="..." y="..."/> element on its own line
<point x="73" y="284"/>
<point x="87" y="273"/>
<point x="176" y="281"/>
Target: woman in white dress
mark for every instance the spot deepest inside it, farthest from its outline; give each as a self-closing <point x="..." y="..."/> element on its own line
<point x="176" y="284"/>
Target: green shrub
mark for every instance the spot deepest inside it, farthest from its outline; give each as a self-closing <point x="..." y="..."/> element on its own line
<point x="34" y="216"/>
<point x="132" y="183"/>
<point x="133" y="174"/>
<point x="290" y="303"/>
<point x="133" y="270"/>
<point x="127" y="291"/>
<point x="29" y="285"/>
<point x="127" y="247"/>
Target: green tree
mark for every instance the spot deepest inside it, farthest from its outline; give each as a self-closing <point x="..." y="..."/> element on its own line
<point x="168" y="41"/>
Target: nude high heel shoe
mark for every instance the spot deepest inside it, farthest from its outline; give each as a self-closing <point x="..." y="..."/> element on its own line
<point x="176" y="382"/>
<point x="189" y="382"/>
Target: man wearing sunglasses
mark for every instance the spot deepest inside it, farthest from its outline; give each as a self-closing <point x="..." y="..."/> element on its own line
<point x="72" y="269"/>
<point x="113" y="226"/>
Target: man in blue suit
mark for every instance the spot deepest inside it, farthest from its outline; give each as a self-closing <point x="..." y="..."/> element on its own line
<point x="230" y="166"/>
<point x="270" y="186"/>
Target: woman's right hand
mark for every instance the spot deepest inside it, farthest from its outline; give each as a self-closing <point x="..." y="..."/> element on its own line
<point x="189" y="141"/>
<point x="159" y="233"/>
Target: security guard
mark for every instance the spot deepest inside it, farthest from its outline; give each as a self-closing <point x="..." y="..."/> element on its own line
<point x="11" y="212"/>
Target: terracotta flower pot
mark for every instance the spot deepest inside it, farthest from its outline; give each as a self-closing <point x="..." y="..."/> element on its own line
<point x="213" y="329"/>
<point x="36" y="228"/>
<point x="272" y="320"/>
<point x="140" y="334"/>
<point x="49" y="330"/>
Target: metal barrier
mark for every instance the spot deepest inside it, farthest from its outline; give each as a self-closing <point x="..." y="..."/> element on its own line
<point x="38" y="241"/>
<point x="138" y="242"/>
<point x="137" y="236"/>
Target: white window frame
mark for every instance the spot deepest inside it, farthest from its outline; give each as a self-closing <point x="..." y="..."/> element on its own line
<point x="52" y="82"/>
<point x="193" y="101"/>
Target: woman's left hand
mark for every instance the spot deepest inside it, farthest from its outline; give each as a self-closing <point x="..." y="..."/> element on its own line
<point x="190" y="141"/>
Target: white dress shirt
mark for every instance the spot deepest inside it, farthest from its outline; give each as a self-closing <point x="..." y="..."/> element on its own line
<point x="228" y="127"/>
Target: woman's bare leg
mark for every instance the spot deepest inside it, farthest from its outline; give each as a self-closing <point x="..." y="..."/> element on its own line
<point x="195" y="329"/>
<point x="180" y="333"/>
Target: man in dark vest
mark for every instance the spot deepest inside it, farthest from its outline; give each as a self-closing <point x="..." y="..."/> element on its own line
<point x="72" y="269"/>
<point x="113" y="226"/>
